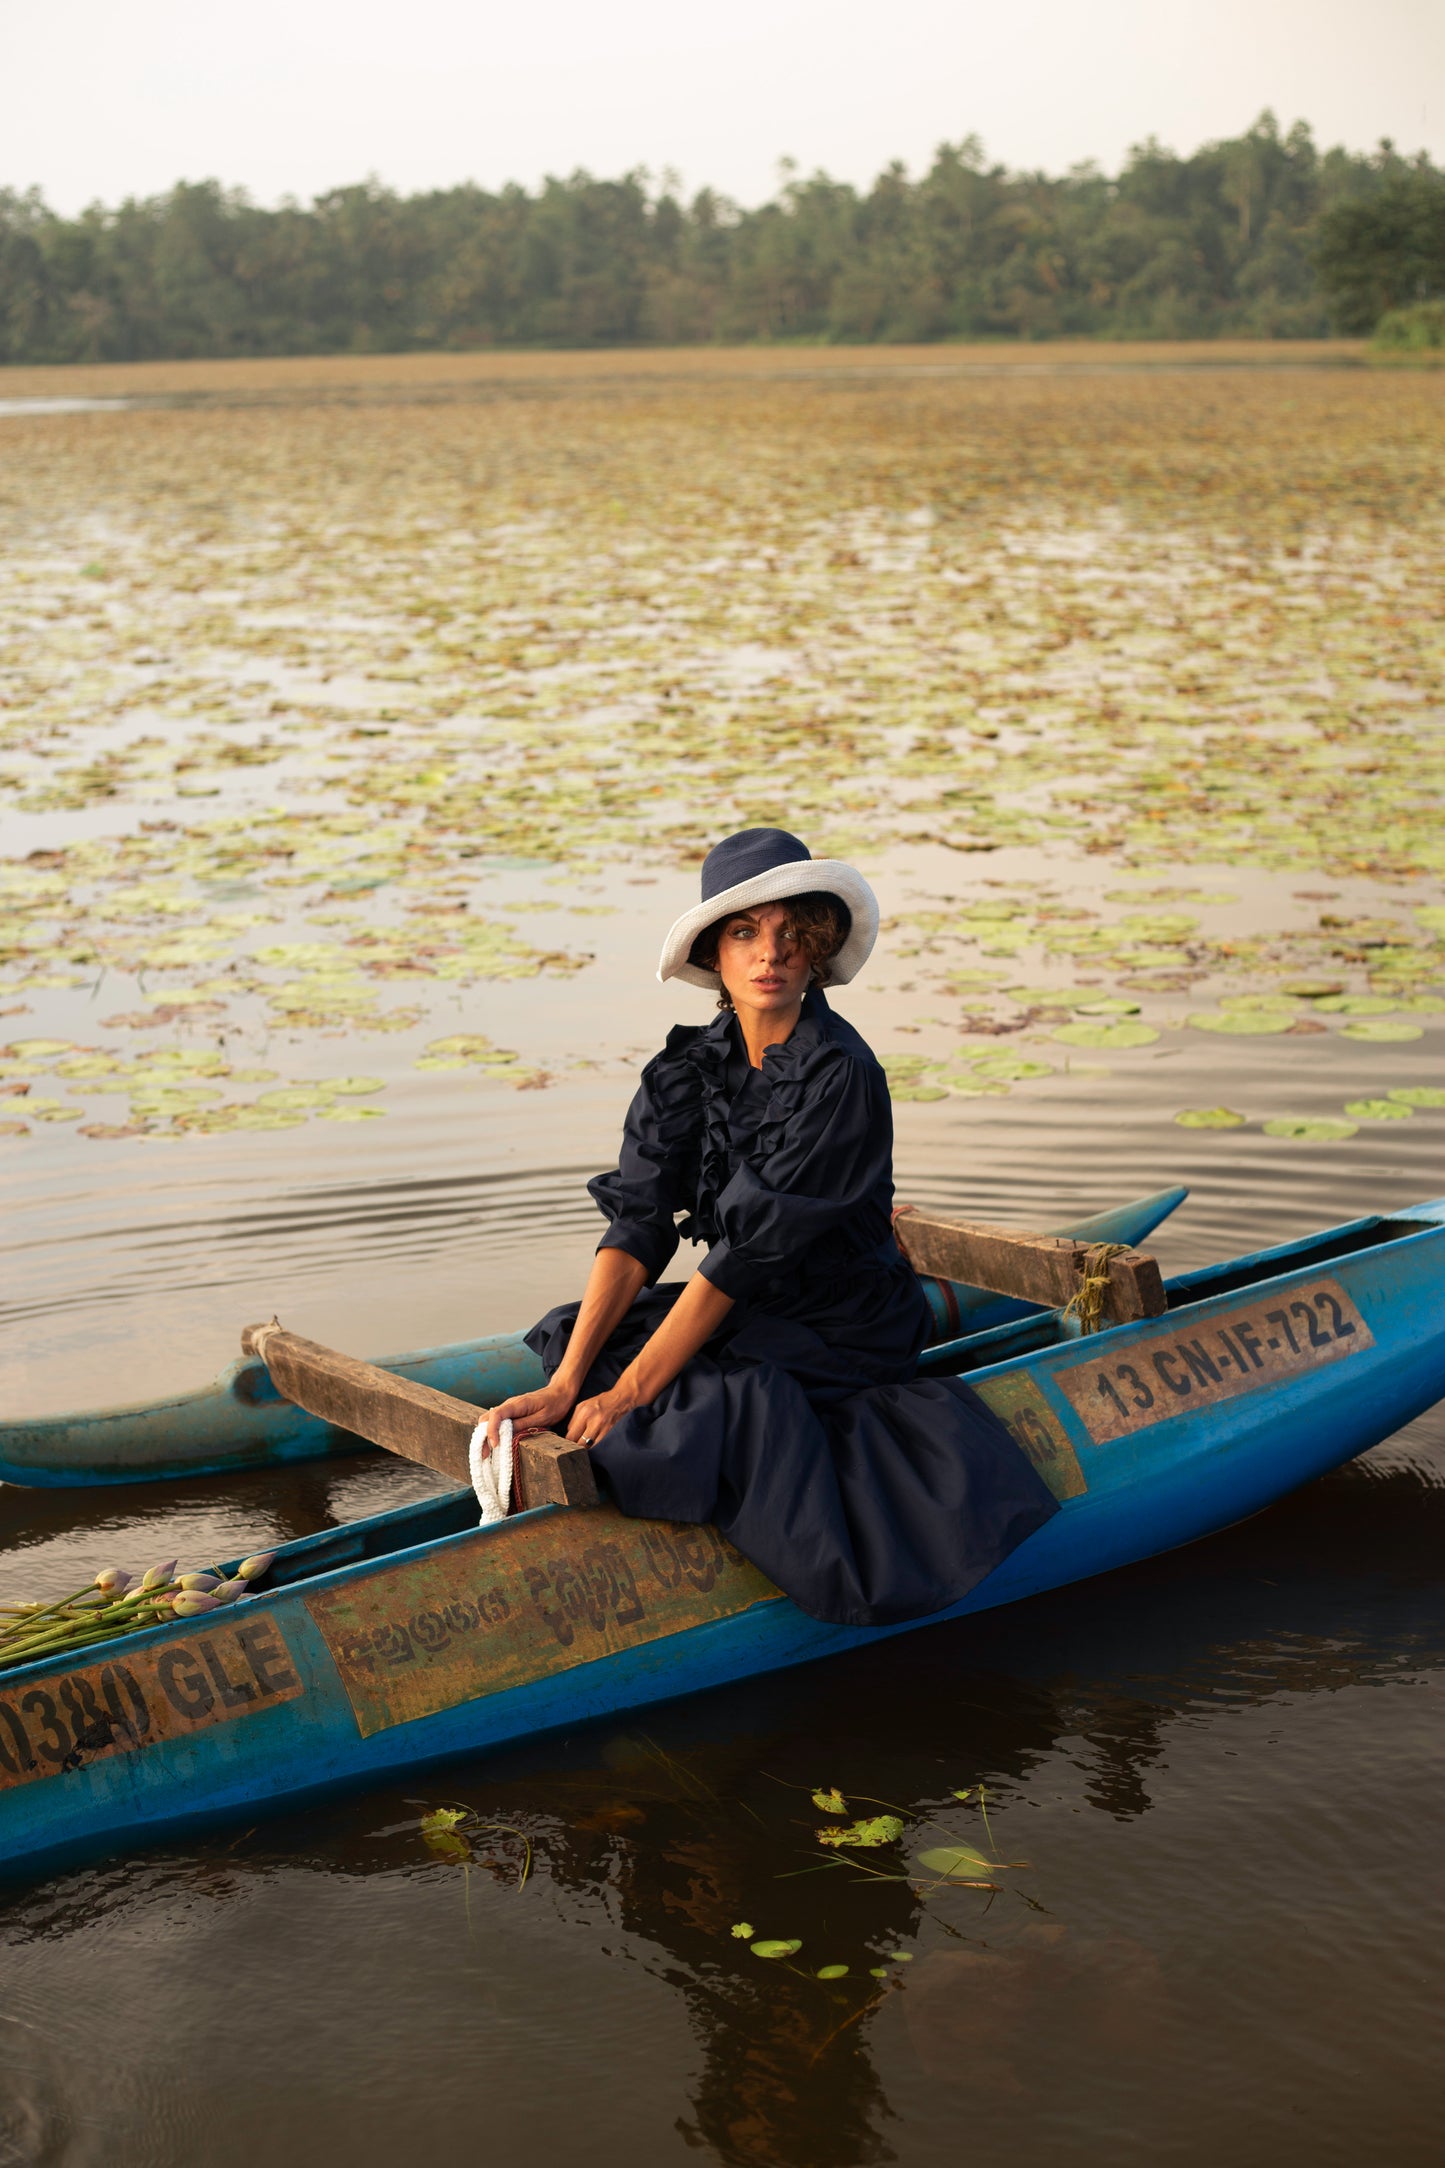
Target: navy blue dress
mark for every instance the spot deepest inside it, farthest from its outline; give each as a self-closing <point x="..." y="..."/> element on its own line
<point x="800" y="1429"/>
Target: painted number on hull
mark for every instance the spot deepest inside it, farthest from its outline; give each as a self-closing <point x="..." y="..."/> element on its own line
<point x="521" y="1603"/>
<point x="1169" y="1372"/>
<point x="68" y="1719"/>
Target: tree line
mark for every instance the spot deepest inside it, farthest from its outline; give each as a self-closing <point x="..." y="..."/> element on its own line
<point x="1264" y="235"/>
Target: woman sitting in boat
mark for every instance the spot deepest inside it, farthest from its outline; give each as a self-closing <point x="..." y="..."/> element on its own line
<point x="774" y="1394"/>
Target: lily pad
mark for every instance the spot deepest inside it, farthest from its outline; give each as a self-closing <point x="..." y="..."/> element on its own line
<point x="874" y="1829"/>
<point x="830" y="1801"/>
<point x="350" y="1114"/>
<point x="957" y="1863"/>
<point x="38" y="1049"/>
<point x="353" y="1087"/>
<point x="1105" y="1035"/>
<point x="1242" y="1023"/>
<point x="1383" y="1030"/>
<point x="832" y="1972"/>
<point x="1210" y="1118"/>
<point x="1355" y="1005"/>
<point x="1110" y="1005"/>
<point x="1419" y="1095"/>
<point x="1010" y="1068"/>
<point x="776" y="1948"/>
<point x="1310" y="1128"/>
<point x="908" y="1092"/>
<point x="1312" y="989"/>
<point x="1377" y="1110"/>
<point x="293" y="1098"/>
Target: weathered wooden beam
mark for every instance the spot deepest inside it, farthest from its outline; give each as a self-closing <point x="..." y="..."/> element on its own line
<point x="1046" y="1269"/>
<point x="414" y="1421"/>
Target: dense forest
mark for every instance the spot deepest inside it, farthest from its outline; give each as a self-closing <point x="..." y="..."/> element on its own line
<point x="1264" y="235"/>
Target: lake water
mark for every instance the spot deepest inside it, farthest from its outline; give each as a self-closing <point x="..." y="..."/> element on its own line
<point x="1220" y="1771"/>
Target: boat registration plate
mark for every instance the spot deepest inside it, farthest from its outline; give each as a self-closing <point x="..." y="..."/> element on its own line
<point x="87" y="1712"/>
<point x="522" y="1602"/>
<point x="1175" y="1370"/>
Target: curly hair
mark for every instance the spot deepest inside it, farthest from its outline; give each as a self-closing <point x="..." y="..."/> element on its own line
<point x="818" y="922"/>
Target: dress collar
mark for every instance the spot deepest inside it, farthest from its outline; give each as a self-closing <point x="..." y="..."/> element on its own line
<point x="813" y="1026"/>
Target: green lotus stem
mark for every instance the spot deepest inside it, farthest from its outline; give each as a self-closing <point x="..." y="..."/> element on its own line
<point x="33" y="1654"/>
<point x="59" y="1603"/>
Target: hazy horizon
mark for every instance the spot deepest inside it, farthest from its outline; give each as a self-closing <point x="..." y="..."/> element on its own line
<point x="290" y="105"/>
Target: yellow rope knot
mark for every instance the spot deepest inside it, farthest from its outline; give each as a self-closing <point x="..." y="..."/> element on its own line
<point x="1087" y="1303"/>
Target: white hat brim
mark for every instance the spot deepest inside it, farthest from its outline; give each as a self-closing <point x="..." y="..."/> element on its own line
<point x="802" y="877"/>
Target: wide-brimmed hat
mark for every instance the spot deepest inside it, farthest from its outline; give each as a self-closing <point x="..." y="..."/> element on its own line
<point x="767" y="865"/>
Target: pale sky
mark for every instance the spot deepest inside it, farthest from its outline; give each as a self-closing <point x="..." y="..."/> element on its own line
<point x="289" y="97"/>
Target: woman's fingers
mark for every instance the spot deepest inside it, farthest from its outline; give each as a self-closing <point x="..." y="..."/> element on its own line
<point x="536" y="1409"/>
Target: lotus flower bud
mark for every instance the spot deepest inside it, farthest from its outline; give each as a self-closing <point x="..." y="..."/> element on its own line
<point x="228" y="1591"/>
<point x="191" y="1602"/>
<point x="113" y="1580"/>
<point x="251" y="1569"/>
<point x="158" y="1576"/>
<point x="202" y="1583"/>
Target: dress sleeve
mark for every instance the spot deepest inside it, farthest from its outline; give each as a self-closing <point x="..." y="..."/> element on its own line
<point x="822" y="1164"/>
<point x="656" y="1175"/>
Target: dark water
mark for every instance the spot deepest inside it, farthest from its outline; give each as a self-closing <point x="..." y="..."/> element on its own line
<point x="1222" y="1769"/>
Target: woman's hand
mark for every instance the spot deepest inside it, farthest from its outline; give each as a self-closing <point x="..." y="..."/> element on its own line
<point x="592" y="1419"/>
<point x="544" y="1410"/>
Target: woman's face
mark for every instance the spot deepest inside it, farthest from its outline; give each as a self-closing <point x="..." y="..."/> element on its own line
<point x="760" y="962"/>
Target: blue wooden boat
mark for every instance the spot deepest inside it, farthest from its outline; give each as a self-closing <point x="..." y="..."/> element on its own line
<point x="240" y="1421"/>
<point x="415" y="1636"/>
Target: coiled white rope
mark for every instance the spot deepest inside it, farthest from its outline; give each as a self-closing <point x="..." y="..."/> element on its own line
<point x="492" y="1476"/>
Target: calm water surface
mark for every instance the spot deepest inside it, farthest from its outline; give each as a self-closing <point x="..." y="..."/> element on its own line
<point x="1222" y="1768"/>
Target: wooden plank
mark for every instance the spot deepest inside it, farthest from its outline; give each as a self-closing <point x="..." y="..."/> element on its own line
<point x="414" y="1421"/>
<point x="1046" y="1269"/>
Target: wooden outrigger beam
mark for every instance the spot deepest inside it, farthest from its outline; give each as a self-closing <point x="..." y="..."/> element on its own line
<point x="414" y="1421"/>
<point x="1047" y="1269"/>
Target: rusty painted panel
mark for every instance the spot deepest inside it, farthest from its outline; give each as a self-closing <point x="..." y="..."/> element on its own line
<point x="509" y="1608"/>
<point x="1180" y="1368"/>
<point x="1018" y="1402"/>
<point x="72" y="1717"/>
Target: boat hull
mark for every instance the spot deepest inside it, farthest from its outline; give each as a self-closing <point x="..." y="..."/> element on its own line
<point x="240" y="1421"/>
<point x="412" y="1638"/>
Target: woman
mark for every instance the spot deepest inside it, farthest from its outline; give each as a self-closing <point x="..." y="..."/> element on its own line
<point x="774" y="1394"/>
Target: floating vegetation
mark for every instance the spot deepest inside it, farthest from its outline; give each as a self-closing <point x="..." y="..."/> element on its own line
<point x="1210" y="1118"/>
<point x="1115" y="1037"/>
<point x="872" y="1830"/>
<point x="1377" y="1110"/>
<point x="1310" y="1128"/>
<point x="1383" y="1031"/>
<point x="1419" y="1095"/>
<point x="1243" y="1023"/>
<point x="341" y="674"/>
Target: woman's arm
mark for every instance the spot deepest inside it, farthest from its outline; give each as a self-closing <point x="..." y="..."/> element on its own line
<point x="693" y="1318"/>
<point x="612" y="1286"/>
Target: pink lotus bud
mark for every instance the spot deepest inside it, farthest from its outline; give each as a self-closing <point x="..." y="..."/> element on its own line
<point x="113" y="1580"/>
<point x="228" y="1591"/>
<point x="202" y="1583"/>
<point x="158" y="1576"/>
<point x="191" y="1602"/>
<point x="251" y="1569"/>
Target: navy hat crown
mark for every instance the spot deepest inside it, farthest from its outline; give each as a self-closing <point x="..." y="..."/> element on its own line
<point x="743" y="857"/>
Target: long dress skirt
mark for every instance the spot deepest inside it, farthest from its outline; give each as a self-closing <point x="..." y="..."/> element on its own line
<point x="865" y="1502"/>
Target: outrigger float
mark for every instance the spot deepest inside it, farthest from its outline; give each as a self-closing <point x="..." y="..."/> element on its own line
<point x="240" y="1421"/>
<point x="415" y="1636"/>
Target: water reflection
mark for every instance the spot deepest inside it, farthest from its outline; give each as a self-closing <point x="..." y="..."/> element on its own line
<point x="1080" y="1992"/>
